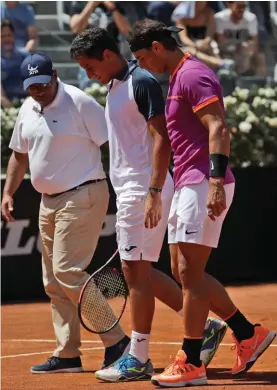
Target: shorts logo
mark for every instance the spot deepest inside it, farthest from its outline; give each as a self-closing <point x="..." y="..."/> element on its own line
<point x="187" y="232"/>
<point x="129" y="248"/>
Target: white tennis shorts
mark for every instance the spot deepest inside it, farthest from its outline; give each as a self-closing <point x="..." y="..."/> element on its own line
<point x="134" y="240"/>
<point x="189" y="220"/>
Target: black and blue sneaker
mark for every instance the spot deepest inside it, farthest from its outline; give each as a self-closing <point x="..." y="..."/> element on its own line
<point x="56" y="364"/>
<point x="213" y="336"/>
<point x="127" y="368"/>
<point x="115" y="352"/>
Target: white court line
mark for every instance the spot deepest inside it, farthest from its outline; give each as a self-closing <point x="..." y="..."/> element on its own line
<point x="42" y="353"/>
<point x="100" y="342"/>
<point x="88" y="349"/>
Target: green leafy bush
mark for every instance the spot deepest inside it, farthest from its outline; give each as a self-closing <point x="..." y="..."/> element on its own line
<point x="251" y="116"/>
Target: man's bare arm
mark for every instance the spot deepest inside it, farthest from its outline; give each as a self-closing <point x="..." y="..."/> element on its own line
<point x="17" y="167"/>
<point x="162" y="149"/>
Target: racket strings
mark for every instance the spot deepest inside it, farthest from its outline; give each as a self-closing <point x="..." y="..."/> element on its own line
<point x="103" y="300"/>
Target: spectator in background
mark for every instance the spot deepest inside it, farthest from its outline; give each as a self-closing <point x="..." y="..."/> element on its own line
<point x="23" y="20"/>
<point x="196" y="19"/>
<point x="237" y="37"/>
<point x="161" y="10"/>
<point x="11" y="60"/>
<point x="262" y="11"/>
<point x="104" y="14"/>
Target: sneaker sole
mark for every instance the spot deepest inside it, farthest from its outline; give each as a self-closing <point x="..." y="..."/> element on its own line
<point x="145" y="377"/>
<point x="194" y="382"/>
<point x="222" y="333"/>
<point x="72" y="370"/>
<point x="259" y="351"/>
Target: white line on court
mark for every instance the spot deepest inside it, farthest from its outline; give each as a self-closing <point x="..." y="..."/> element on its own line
<point x="100" y="342"/>
<point x="42" y="353"/>
<point x="88" y="349"/>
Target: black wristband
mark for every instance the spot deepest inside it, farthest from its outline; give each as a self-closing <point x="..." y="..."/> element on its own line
<point x="155" y="189"/>
<point x="218" y="165"/>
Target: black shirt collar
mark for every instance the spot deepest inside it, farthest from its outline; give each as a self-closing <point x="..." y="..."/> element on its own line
<point x="121" y="75"/>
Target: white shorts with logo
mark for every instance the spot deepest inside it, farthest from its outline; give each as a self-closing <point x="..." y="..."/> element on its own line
<point x="134" y="240"/>
<point x="189" y="220"/>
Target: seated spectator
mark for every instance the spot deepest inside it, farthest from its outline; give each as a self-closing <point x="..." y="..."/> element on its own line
<point x="23" y="20"/>
<point x="133" y="11"/>
<point x="217" y="6"/>
<point x="237" y="37"/>
<point x="198" y="27"/>
<point x="11" y="60"/>
<point x="103" y="14"/>
<point x="161" y="10"/>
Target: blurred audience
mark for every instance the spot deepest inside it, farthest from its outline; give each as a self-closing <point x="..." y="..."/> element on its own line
<point x="262" y="10"/>
<point x="22" y="17"/>
<point x="197" y="21"/>
<point x="11" y="60"/>
<point x="161" y="10"/>
<point x="237" y="36"/>
<point x="114" y="16"/>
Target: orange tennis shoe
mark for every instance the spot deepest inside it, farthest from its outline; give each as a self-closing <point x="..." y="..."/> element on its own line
<point x="180" y="374"/>
<point x="248" y="351"/>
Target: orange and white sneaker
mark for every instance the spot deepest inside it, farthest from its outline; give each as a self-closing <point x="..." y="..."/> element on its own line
<point x="249" y="350"/>
<point x="181" y="374"/>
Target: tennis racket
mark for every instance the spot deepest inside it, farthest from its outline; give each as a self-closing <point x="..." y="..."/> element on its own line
<point x="103" y="299"/>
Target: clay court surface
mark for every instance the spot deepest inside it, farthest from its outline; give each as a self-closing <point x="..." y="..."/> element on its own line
<point x="27" y="339"/>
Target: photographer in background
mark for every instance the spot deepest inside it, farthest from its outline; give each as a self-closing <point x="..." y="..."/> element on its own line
<point x="104" y="14"/>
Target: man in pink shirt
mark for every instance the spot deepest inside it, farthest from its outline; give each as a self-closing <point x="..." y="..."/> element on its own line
<point x="204" y="188"/>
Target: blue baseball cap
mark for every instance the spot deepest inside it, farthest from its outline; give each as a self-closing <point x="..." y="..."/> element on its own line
<point x="37" y="68"/>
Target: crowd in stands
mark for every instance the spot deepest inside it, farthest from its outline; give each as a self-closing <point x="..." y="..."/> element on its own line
<point x="19" y="37"/>
<point x="225" y="35"/>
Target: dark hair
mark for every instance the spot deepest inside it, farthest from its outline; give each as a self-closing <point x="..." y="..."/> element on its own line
<point x="146" y="31"/>
<point x="7" y="23"/>
<point x="91" y="43"/>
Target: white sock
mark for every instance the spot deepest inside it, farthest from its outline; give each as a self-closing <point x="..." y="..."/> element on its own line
<point x="140" y="346"/>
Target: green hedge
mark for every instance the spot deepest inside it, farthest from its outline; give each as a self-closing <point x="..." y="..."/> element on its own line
<point x="251" y="116"/>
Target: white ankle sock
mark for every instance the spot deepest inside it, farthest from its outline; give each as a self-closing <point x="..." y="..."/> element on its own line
<point x="140" y="346"/>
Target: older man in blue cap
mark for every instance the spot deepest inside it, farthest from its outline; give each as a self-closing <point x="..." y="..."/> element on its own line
<point x="58" y="134"/>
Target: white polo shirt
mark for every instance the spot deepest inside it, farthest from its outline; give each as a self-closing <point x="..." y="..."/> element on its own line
<point x="63" y="143"/>
<point x="134" y="97"/>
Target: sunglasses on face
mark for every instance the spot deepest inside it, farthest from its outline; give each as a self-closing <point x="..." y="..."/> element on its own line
<point x="38" y="87"/>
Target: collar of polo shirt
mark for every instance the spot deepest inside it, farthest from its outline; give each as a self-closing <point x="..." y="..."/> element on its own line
<point x="121" y="75"/>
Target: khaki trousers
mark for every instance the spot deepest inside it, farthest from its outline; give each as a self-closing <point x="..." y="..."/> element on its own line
<point x="70" y="225"/>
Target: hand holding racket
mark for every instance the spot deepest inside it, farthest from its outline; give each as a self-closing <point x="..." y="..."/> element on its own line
<point x="103" y="299"/>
